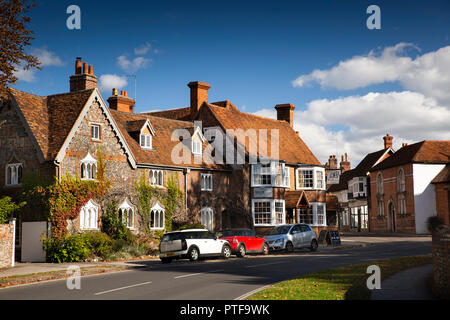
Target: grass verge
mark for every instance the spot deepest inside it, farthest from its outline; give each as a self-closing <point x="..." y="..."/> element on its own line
<point x="342" y="283"/>
<point x="54" y="275"/>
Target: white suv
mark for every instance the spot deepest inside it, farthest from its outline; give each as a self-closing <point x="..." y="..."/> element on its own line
<point x="192" y="244"/>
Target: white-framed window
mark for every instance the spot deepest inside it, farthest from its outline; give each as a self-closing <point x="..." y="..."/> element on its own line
<point x="401" y="180"/>
<point x="305" y="178"/>
<point x="270" y="174"/>
<point x="157" y="216"/>
<point x="13" y="174"/>
<point x="207" y="182"/>
<point x="156" y="178"/>
<point x="401" y="204"/>
<point x="305" y="215"/>
<point x="380" y="183"/>
<point x="126" y="213"/>
<point x="320" y="179"/>
<point x="145" y="140"/>
<point x="88" y="168"/>
<point x="89" y="216"/>
<point x="319" y="212"/>
<point x="207" y="218"/>
<point x="196" y="147"/>
<point x="268" y="212"/>
<point x="380" y="207"/>
<point x="95" y="132"/>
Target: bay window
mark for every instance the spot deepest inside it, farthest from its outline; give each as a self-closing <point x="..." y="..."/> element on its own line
<point x="89" y="216"/>
<point x="126" y="213"/>
<point x="310" y="178"/>
<point x="157" y="217"/>
<point x="270" y="174"/>
<point x="268" y="212"/>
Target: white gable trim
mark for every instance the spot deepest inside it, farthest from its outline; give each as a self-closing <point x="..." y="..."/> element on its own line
<point x="95" y="96"/>
<point x="149" y="126"/>
<point x="198" y="131"/>
<point x="379" y="160"/>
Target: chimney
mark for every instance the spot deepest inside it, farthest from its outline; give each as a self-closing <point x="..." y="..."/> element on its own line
<point x="285" y="112"/>
<point x="332" y="162"/>
<point x="84" y="78"/>
<point x="345" y="164"/>
<point x="199" y="95"/>
<point x="404" y="144"/>
<point x="121" y="102"/>
<point x="388" y="141"/>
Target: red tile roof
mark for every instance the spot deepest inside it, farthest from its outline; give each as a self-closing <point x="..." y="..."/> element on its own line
<point x="427" y="152"/>
<point x="443" y="176"/>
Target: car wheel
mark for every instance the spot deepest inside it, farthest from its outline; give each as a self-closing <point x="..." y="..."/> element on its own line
<point x="226" y="251"/>
<point x="314" y="245"/>
<point x="166" y="260"/>
<point x="241" y="251"/>
<point x="289" y="247"/>
<point x="193" y="254"/>
<point x="265" y="249"/>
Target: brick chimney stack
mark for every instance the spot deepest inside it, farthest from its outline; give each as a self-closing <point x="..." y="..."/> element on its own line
<point x="285" y="112"/>
<point x="121" y="102"/>
<point x="199" y="95"/>
<point x="388" y="141"/>
<point x="84" y="77"/>
<point x="332" y="162"/>
<point x="345" y="164"/>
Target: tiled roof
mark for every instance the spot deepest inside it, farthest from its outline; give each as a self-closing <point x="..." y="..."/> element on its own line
<point x="367" y="163"/>
<point x="427" y="152"/>
<point x="294" y="199"/>
<point x="183" y="114"/>
<point x="162" y="143"/>
<point x="443" y="176"/>
<point x="292" y="149"/>
<point x="51" y="118"/>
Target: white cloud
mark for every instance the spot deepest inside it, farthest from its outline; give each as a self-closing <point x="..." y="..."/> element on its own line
<point x="132" y="65"/>
<point x="428" y="73"/>
<point x="110" y="81"/>
<point x="45" y="57"/>
<point x="364" y="120"/>
<point x="143" y="50"/>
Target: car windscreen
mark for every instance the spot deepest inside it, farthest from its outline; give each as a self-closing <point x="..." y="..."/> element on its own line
<point x="279" y="230"/>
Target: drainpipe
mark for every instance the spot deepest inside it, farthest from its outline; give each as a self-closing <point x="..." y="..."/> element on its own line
<point x="186" y="171"/>
<point x="59" y="169"/>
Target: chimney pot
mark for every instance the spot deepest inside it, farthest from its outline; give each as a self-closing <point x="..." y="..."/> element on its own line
<point x="78" y="65"/>
<point x="91" y="70"/>
<point x="115" y="92"/>
<point x="85" y="67"/>
<point x="84" y="78"/>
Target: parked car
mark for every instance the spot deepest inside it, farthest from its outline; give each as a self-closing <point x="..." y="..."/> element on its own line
<point x="292" y="236"/>
<point x="192" y="244"/>
<point x="243" y="241"/>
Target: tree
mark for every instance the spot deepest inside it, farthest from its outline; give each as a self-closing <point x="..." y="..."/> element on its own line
<point x="14" y="37"/>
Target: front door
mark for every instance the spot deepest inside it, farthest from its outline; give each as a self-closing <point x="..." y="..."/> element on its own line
<point x="392" y="216"/>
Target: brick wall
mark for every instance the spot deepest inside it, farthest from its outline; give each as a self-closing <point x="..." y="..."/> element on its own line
<point x="6" y="244"/>
<point x="441" y="264"/>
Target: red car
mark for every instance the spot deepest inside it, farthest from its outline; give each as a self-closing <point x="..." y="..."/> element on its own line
<point x="243" y="241"/>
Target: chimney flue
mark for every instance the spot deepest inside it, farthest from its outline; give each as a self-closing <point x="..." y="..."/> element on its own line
<point x="388" y="141"/>
<point x="199" y="95"/>
<point x="84" y="77"/>
<point x="285" y="112"/>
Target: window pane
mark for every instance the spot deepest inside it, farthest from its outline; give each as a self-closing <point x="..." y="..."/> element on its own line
<point x="262" y="213"/>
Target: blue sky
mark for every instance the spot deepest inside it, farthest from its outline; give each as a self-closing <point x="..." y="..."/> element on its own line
<point x="249" y="51"/>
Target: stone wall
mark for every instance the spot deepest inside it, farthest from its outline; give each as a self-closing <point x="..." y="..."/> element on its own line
<point x="441" y="264"/>
<point x="6" y="245"/>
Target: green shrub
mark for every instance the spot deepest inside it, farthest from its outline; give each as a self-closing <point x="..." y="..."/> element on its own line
<point x="7" y="208"/>
<point x="72" y="248"/>
<point x="192" y="226"/>
<point x="98" y="243"/>
<point x="112" y="223"/>
<point x="433" y="223"/>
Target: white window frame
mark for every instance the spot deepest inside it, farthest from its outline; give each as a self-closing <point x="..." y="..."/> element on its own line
<point x="206" y="183"/>
<point x="157" y="210"/>
<point x="88" y="168"/>
<point x="315" y="206"/>
<point x="272" y="213"/>
<point x="196" y="147"/>
<point x="89" y="216"/>
<point x="14" y="175"/>
<point x="127" y="211"/>
<point x="156" y="177"/>
<point x="146" y="141"/>
<point x="315" y="176"/>
<point x="271" y="172"/>
<point x="207" y="218"/>
<point x="98" y="126"/>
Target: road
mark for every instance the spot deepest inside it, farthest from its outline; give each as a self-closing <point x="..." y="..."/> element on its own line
<point x="212" y="279"/>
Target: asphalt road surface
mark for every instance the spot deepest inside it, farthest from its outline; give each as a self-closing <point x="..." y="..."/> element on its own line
<point x="211" y="279"/>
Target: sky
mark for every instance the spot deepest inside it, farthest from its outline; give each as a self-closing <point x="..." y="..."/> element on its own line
<point x="350" y="85"/>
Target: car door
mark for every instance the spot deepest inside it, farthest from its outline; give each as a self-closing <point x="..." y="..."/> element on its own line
<point x="249" y="240"/>
<point x="306" y="234"/>
<point x="201" y="240"/>
<point x="296" y="236"/>
<point x="214" y="246"/>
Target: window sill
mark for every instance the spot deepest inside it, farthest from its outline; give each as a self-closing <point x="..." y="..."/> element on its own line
<point x="12" y="186"/>
<point x="157" y="229"/>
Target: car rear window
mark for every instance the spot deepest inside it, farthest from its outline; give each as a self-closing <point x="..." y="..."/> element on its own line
<point x="172" y="236"/>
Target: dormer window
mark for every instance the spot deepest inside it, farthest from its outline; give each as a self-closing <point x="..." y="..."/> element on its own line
<point x="88" y="168"/>
<point x="146" y="141"/>
<point x="196" y="147"/>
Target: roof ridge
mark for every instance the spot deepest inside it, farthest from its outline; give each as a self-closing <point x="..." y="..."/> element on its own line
<point x="69" y="93"/>
<point x="146" y="116"/>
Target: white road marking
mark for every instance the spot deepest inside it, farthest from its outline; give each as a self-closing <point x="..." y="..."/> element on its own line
<point x="187" y="275"/>
<point x="265" y="264"/>
<point x="122" y="288"/>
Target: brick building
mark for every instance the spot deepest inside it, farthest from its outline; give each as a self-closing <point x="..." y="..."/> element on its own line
<point x="61" y="134"/>
<point x="402" y="193"/>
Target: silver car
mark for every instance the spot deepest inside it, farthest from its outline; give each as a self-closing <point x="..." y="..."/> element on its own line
<point x="292" y="236"/>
